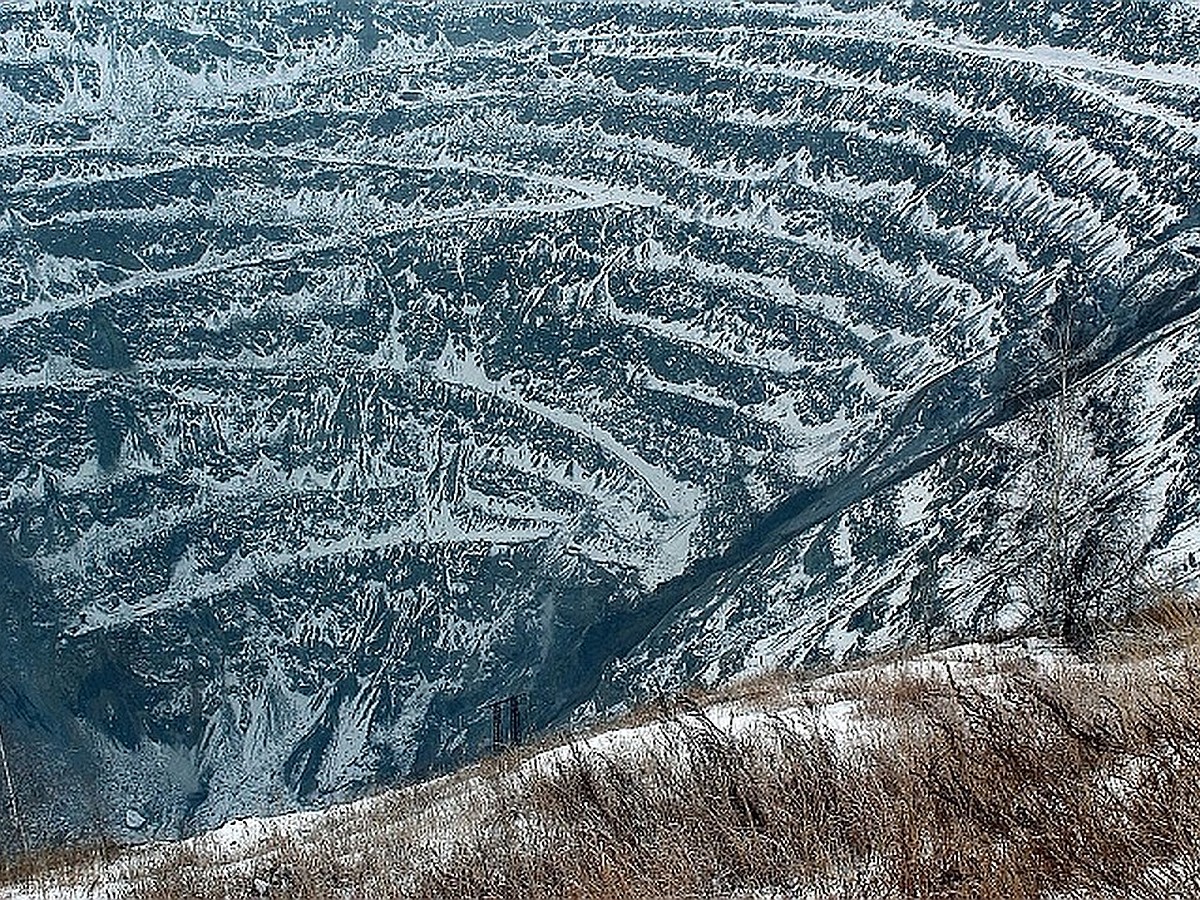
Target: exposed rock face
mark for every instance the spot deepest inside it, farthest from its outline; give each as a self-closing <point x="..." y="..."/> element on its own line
<point x="361" y="363"/>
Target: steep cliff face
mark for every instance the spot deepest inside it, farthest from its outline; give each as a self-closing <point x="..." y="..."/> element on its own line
<point x="363" y="362"/>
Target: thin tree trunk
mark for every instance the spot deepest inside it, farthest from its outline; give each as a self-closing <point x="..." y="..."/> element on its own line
<point x="12" y="796"/>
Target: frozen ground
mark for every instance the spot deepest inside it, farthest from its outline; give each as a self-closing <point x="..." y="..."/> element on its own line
<point x="426" y="826"/>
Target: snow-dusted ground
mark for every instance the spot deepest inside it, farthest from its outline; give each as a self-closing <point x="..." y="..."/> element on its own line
<point x="428" y="821"/>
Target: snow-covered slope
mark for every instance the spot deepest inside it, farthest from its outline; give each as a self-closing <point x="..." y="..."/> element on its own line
<point x="751" y="794"/>
<point x="362" y="363"/>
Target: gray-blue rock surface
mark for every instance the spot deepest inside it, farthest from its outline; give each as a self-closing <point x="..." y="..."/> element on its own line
<point x="363" y="362"/>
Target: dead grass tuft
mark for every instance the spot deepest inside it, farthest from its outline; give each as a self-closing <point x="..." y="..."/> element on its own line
<point x="961" y="775"/>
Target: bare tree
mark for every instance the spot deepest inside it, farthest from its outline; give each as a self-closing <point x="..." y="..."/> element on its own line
<point x="14" y="811"/>
<point x="1081" y="529"/>
<point x="1063" y="445"/>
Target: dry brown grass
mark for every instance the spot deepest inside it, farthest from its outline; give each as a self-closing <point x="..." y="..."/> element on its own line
<point x="41" y="870"/>
<point x="981" y="777"/>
